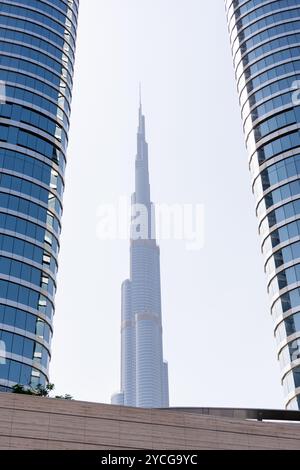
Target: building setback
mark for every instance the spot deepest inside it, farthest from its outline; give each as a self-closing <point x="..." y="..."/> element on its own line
<point x="37" y="48"/>
<point x="265" y="42"/>
<point x="144" y="374"/>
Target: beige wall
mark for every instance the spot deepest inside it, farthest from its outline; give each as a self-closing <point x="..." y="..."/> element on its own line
<point x="40" y="423"/>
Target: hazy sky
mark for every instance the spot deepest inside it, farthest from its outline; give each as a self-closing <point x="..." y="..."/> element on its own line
<point x="218" y="334"/>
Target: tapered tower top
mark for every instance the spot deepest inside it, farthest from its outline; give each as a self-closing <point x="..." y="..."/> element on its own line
<point x="142" y="146"/>
<point x="142" y="186"/>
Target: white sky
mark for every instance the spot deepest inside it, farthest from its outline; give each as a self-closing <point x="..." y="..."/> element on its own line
<point x="218" y="335"/>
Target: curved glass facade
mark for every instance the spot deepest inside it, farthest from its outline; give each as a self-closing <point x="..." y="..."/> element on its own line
<point x="37" y="50"/>
<point x="265" y="42"/>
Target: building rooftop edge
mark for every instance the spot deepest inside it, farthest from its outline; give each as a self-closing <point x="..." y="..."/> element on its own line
<point x="235" y="413"/>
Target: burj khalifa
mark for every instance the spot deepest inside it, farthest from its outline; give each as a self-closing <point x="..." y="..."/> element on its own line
<point x="144" y="373"/>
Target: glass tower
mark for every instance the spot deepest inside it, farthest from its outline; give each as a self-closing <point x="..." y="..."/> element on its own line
<point x="37" y="47"/>
<point x="144" y="373"/>
<point x="265" y="42"/>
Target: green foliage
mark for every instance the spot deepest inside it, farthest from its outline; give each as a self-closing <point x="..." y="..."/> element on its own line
<point x="22" y="390"/>
<point x="39" y="391"/>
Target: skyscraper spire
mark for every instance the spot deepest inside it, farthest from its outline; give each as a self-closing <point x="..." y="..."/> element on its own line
<point x="142" y="185"/>
<point x="144" y="374"/>
<point x="141" y="128"/>
<point x="140" y="90"/>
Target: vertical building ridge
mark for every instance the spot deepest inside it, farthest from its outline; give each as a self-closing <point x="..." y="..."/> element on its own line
<point x="144" y="374"/>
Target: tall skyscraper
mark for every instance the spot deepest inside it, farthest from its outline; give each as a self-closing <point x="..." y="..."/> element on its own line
<point x="265" y="41"/>
<point x="144" y="374"/>
<point x="37" y="47"/>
